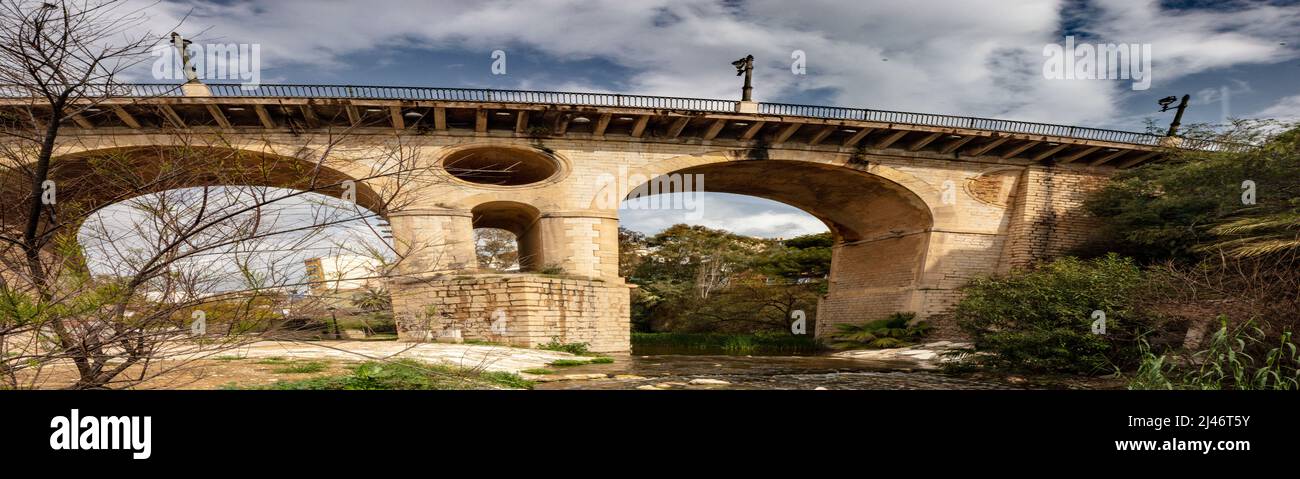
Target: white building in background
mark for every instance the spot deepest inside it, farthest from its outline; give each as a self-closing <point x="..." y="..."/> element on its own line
<point x="343" y="273"/>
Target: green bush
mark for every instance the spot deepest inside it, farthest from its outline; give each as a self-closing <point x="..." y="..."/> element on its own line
<point x="580" y="349"/>
<point x="892" y="332"/>
<point x="1041" y="320"/>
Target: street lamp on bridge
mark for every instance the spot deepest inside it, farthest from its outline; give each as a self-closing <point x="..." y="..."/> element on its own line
<point x="745" y="66"/>
<point x="1178" y="116"/>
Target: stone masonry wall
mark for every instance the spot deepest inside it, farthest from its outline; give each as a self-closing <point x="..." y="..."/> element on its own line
<point x="519" y="310"/>
<point x="1047" y="216"/>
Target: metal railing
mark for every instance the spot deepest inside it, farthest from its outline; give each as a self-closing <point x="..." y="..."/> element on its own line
<point x="949" y="121"/>
<point x="475" y="95"/>
<point x="144" y="90"/>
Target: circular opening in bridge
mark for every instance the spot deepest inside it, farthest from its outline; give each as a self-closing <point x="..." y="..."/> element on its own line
<point x="501" y="166"/>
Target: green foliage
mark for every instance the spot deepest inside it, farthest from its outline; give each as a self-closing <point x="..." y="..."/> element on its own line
<point x="405" y="374"/>
<point x="895" y="331"/>
<point x="18" y="309"/>
<point x="505" y="379"/>
<point x="816" y="240"/>
<point x="710" y="343"/>
<point x="373" y="300"/>
<point x="1190" y="206"/>
<point x="801" y="257"/>
<point x="1041" y="320"/>
<point x="694" y="279"/>
<point x="580" y="349"/>
<point x="564" y="363"/>
<point x="1229" y="362"/>
<point x="538" y="371"/>
<point x="739" y="344"/>
<point x="301" y="367"/>
<point x="372" y="323"/>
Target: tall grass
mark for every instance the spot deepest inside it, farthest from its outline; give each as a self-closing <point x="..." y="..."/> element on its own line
<point x="405" y="374"/>
<point x="1241" y="357"/>
<point x="734" y="344"/>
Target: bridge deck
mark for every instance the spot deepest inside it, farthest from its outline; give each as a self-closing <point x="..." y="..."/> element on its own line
<point x="299" y="108"/>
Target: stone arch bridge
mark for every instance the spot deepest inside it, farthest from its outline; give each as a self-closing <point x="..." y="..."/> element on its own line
<point x="918" y="204"/>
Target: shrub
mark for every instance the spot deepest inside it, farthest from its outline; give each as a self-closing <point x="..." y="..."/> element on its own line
<point x="580" y="349"/>
<point x="1041" y="320"/>
<point x="891" y="332"/>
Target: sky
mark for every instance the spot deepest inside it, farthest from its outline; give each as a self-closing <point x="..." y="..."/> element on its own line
<point x="982" y="58"/>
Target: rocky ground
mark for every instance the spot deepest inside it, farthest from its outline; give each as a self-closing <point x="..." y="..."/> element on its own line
<point x="263" y="363"/>
<point x="930" y="355"/>
<point x="468" y="356"/>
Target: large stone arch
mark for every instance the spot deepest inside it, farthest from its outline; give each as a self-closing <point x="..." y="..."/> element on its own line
<point x="881" y="219"/>
<point x="89" y="180"/>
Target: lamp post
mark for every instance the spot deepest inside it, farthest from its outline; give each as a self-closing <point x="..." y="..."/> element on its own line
<point x="1178" y="116"/>
<point x="183" y="47"/>
<point x="745" y="66"/>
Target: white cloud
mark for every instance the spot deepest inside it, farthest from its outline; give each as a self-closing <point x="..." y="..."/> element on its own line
<point x="1286" y="109"/>
<point x="744" y="215"/>
<point x="969" y="57"/>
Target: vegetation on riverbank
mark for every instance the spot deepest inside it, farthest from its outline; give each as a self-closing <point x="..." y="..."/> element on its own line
<point x="714" y="343"/>
<point x="577" y="349"/>
<point x="1231" y="361"/>
<point x="693" y="279"/>
<point x="1208" y="296"/>
<point x="1043" y="319"/>
<point x="895" y="331"/>
<point x="404" y="374"/>
<point x="562" y="363"/>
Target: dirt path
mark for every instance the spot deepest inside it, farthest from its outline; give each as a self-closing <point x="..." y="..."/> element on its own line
<point x="264" y="362"/>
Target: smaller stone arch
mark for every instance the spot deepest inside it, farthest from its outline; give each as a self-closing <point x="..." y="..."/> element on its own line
<point x="519" y="219"/>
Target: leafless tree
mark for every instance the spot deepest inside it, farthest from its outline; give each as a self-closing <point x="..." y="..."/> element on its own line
<point x="122" y="261"/>
<point x="63" y="57"/>
<point x="128" y="297"/>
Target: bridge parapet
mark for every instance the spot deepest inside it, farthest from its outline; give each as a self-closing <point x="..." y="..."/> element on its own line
<point x="431" y="110"/>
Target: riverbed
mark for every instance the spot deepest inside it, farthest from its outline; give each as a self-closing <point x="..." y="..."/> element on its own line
<point x="667" y="372"/>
